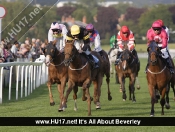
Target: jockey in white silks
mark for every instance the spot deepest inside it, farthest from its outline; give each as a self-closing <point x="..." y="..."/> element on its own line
<point x="58" y="32"/>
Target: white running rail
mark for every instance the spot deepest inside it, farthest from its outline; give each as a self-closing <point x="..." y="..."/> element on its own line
<point x="26" y="75"/>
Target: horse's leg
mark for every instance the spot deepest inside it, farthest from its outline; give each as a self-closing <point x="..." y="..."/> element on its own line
<point x="122" y="83"/>
<point x="132" y="82"/>
<point x="162" y="101"/>
<point x="61" y="88"/>
<point x="152" y="94"/>
<point x="137" y="82"/>
<point x="71" y="84"/>
<point x="108" y="81"/>
<point x="167" y="96"/>
<point x="52" y="103"/>
<point x="95" y="91"/>
<point x="75" y="89"/>
<point x="86" y="86"/>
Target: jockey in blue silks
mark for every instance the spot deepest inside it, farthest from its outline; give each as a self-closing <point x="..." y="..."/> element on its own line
<point x="94" y="38"/>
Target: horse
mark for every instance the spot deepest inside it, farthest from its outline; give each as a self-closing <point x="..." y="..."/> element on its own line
<point x="128" y="67"/>
<point x="112" y="58"/>
<point x="57" y="72"/>
<point x="80" y="73"/>
<point x="158" y="77"/>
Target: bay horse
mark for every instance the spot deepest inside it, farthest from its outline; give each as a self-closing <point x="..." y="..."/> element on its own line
<point x="57" y="72"/>
<point x="112" y="58"/>
<point x="158" y="77"/>
<point x="128" y="67"/>
<point x="80" y="73"/>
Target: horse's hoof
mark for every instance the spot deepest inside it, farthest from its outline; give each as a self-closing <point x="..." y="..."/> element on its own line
<point x="109" y="98"/>
<point x="124" y="99"/>
<point x="134" y="101"/>
<point x="151" y="115"/>
<point x="138" y="87"/>
<point x="52" y="103"/>
<point x="167" y="106"/>
<point x="97" y="108"/>
<point x="60" y="110"/>
<point x="75" y="109"/>
<point x="120" y="90"/>
<point x="162" y="113"/>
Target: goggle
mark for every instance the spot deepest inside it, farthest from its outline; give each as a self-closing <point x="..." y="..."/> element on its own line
<point x="156" y="29"/>
<point x="56" y="30"/>
<point x="90" y="31"/>
<point x="124" y="32"/>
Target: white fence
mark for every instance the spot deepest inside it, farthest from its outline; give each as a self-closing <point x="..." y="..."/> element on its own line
<point x="27" y="76"/>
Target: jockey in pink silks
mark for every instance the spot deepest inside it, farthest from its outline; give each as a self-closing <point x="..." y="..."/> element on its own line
<point x="159" y="35"/>
<point x="58" y="32"/>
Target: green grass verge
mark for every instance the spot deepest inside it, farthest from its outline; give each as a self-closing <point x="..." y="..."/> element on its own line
<point x="37" y="105"/>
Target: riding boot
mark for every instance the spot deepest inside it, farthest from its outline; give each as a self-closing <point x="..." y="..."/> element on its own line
<point x="170" y="65"/>
<point x="92" y="62"/>
<point x="101" y="54"/>
<point x="118" y="57"/>
<point x="134" y="52"/>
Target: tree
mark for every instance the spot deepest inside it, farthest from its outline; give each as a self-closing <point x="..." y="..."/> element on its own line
<point x="154" y="13"/>
<point x="107" y="18"/>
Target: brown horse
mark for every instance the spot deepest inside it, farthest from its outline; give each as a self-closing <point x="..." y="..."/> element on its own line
<point x="80" y="73"/>
<point x="158" y="77"/>
<point x="57" y="72"/>
<point x="127" y="67"/>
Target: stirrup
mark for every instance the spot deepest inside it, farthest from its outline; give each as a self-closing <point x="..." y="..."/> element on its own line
<point x="172" y="71"/>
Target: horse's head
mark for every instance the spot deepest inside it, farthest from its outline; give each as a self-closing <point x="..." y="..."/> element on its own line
<point x="50" y="53"/>
<point x="69" y="51"/>
<point x="153" y="52"/>
<point x="126" y="58"/>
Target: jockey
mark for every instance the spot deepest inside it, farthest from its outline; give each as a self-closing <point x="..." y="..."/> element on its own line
<point x="160" y="36"/>
<point x="94" y="38"/>
<point x="113" y="42"/>
<point x="81" y="37"/>
<point x="125" y="36"/>
<point x="57" y="32"/>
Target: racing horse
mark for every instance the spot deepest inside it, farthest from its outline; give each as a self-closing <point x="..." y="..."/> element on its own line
<point x="127" y="68"/>
<point x="57" y="72"/>
<point x="112" y="55"/>
<point x="158" y="77"/>
<point x="80" y="73"/>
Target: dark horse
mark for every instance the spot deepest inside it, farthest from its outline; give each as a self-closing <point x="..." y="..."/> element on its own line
<point x="57" y="71"/>
<point x="128" y="67"/>
<point x="80" y="73"/>
<point x="158" y="77"/>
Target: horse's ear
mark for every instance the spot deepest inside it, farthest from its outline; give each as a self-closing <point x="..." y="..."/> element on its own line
<point x="148" y="49"/>
<point x="54" y="42"/>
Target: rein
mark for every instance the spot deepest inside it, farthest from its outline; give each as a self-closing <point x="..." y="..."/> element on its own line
<point x="79" y="68"/>
<point x="157" y="72"/>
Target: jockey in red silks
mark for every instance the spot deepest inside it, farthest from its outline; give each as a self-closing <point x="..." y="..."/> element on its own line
<point x="125" y="36"/>
<point x="159" y="35"/>
<point x="58" y="32"/>
<point x="94" y="38"/>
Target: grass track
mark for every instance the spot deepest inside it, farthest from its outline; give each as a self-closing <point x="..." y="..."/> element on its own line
<point x="37" y="105"/>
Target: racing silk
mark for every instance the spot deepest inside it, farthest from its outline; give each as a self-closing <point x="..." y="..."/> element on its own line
<point x="161" y="38"/>
<point x="167" y="31"/>
<point x="129" y="38"/>
<point x="112" y="41"/>
<point x="60" y="37"/>
<point x="83" y="38"/>
<point x="95" y="39"/>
